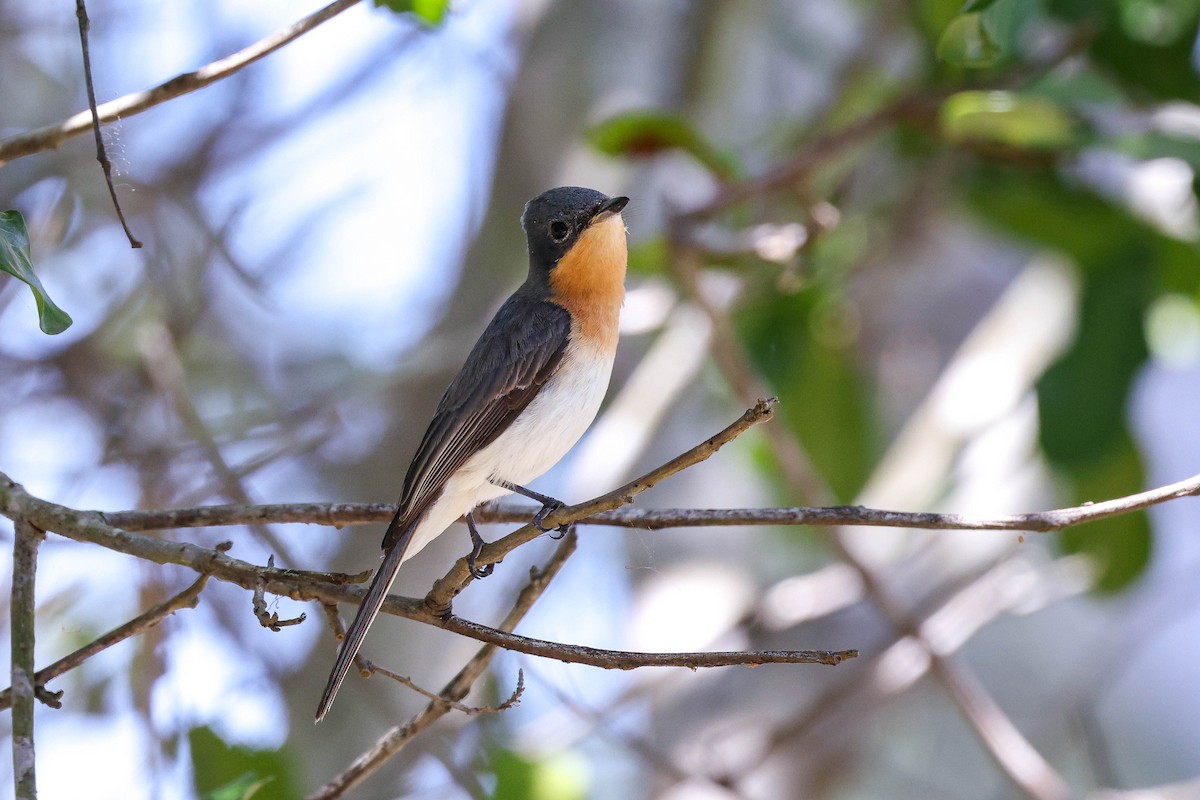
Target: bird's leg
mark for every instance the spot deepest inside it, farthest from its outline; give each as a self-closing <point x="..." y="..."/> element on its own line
<point x="549" y="504"/>
<point x="477" y="544"/>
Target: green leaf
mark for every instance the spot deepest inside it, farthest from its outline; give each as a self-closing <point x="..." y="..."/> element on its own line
<point x="16" y="261"/>
<point x="977" y="5"/>
<point x="430" y="12"/>
<point x="648" y="133"/>
<point x="966" y="42"/>
<point x="1006" y="118"/>
<point x="803" y="345"/>
<point x="243" y="788"/>
<point x="1082" y="397"/>
<point x="1146" y="44"/>
<point x="557" y="777"/>
<point x="225" y="772"/>
<point x="1119" y="547"/>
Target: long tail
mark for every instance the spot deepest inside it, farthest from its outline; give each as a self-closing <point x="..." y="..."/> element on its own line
<point x="369" y="609"/>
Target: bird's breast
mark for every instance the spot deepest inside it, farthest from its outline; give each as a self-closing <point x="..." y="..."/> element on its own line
<point x="555" y="419"/>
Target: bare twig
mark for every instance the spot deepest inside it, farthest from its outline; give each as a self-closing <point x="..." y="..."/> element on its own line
<point x="82" y="526"/>
<point x="394" y="740"/>
<point x="85" y="25"/>
<point x="341" y="514"/>
<point x="513" y="700"/>
<point x="270" y="619"/>
<point x="51" y="136"/>
<point x="185" y="599"/>
<point x="22" y="611"/>
<point x="625" y="659"/>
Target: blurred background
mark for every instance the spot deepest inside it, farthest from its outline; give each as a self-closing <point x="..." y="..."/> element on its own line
<point x="958" y="242"/>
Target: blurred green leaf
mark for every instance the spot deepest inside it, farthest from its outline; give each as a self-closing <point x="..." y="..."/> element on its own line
<point x="243" y="788"/>
<point x="647" y="133"/>
<point x="221" y="770"/>
<point x="1146" y="44"/>
<point x="800" y="343"/>
<point x="558" y="777"/>
<point x="966" y="42"/>
<point x="1081" y="398"/>
<point x="977" y="5"/>
<point x="648" y="256"/>
<point x="16" y="261"/>
<point x="1006" y="118"/>
<point x="429" y="12"/>
<point x="1118" y="546"/>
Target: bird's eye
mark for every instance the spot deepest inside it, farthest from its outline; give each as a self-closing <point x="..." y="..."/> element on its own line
<point x="558" y="229"/>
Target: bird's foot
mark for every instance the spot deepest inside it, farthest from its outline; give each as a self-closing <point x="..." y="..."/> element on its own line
<point x="549" y="506"/>
<point x="477" y="544"/>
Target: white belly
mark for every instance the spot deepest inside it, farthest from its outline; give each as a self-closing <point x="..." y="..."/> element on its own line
<point x="535" y="441"/>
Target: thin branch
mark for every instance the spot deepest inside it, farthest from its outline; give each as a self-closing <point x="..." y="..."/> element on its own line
<point x="85" y="25"/>
<point x="270" y="620"/>
<point x="143" y="622"/>
<point x="394" y="740"/>
<point x="513" y="700"/>
<point x="624" y="659"/>
<point x="25" y="551"/>
<point x="341" y="514"/>
<point x="86" y="527"/>
<point x="51" y="136"/>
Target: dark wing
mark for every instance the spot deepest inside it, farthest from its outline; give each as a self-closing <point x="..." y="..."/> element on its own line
<point x="516" y="355"/>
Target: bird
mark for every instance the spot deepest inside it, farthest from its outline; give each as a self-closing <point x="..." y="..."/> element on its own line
<point x="527" y="392"/>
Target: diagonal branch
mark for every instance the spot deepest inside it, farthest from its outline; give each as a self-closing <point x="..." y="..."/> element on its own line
<point x="185" y="599"/>
<point x="51" y="136"/>
<point x="449" y="585"/>
<point x="395" y="739"/>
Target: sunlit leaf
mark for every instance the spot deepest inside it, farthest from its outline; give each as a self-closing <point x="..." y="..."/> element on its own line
<point x="966" y="42"/>
<point x="558" y="777"/>
<point x="1006" y="118"/>
<point x="16" y="261"/>
<point x="429" y="12"/>
<point x="647" y="133"/>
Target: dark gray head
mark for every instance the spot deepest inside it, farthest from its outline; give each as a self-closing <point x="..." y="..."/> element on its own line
<point x="554" y="220"/>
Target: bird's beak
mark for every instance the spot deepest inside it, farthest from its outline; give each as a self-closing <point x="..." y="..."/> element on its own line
<point x="608" y="208"/>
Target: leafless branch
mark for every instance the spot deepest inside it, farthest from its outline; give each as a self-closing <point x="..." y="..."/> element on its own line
<point x="341" y="514"/>
<point x="185" y="599"/>
<point x="513" y="700"/>
<point x="25" y="550"/>
<point x="394" y="740"/>
<point x="85" y="526"/>
<point x="270" y="619"/>
<point x="51" y="136"/>
<point x="85" y="26"/>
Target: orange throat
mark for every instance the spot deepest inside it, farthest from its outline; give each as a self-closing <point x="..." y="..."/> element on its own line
<point x="589" y="281"/>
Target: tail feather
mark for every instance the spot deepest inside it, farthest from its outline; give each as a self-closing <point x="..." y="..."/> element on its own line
<point x="367" y="611"/>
